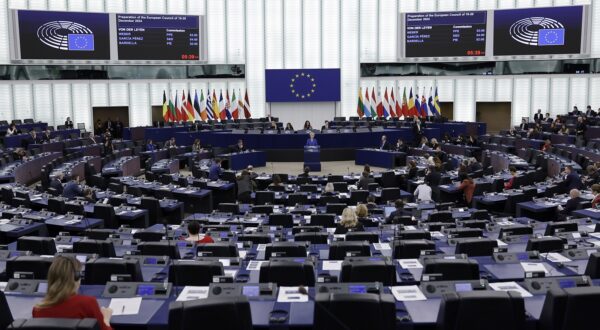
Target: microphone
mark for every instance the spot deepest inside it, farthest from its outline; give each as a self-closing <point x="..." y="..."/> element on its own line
<point x="303" y="290"/>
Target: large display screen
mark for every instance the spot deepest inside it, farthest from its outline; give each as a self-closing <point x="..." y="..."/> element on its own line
<point x="158" y="37"/>
<point x="461" y="33"/>
<point x="538" y="31"/>
<point x="63" y="35"/>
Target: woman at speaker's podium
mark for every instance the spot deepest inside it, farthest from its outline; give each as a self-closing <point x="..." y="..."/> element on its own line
<point x="311" y="141"/>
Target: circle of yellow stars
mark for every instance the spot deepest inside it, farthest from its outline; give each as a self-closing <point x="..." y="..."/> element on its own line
<point x="300" y="76"/>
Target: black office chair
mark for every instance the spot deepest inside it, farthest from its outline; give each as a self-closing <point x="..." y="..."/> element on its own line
<point x="409" y="249"/>
<point x="38" y="266"/>
<point x="6" y="317"/>
<point x="414" y="234"/>
<point x="264" y="198"/>
<point x="149" y="236"/>
<point x="545" y="244"/>
<point x="56" y="205"/>
<point x="99" y="233"/>
<point x="513" y="230"/>
<point x="570" y="309"/>
<point x="358" y="196"/>
<point x="219" y="312"/>
<point x="481" y="309"/>
<point x="336" y="209"/>
<point x="255" y="238"/>
<point x="37" y="245"/>
<point x="169" y="249"/>
<point x="312" y="237"/>
<point x="371" y="237"/>
<point x="324" y="200"/>
<point x="284" y="220"/>
<point x="198" y="273"/>
<point x="452" y="269"/>
<point x="309" y="188"/>
<point x="285" y="249"/>
<point x="440" y="216"/>
<point x="593" y="266"/>
<point x="297" y="199"/>
<point x="324" y="220"/>
<point x="389" y="194"/>
<point x="55" y="324"/>
<point x="288" y="273"/>
<point x="232" y="208"/>
<point x="562" y="226"/>
<point x="354" y="311"/>
<point x="360" y="270"/>
<point x="476" y="247"/>
<point x="99" y="271"/>
<point x="103" y="248"/>
<point x="262" y="209"/>
<point x="218" y="249"/>
<point x="106" y="213"/>
<point x="153" y="206"/>
<point x="340" y="250"/>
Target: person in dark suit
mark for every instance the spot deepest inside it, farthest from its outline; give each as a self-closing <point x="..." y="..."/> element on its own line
<point x="400" y="146"/>
<point x="325" y="126"/>
<point x="69" y="122"/>
<point x="538" y="117"/>
<point x="590" y="112"/>
<point x="35" y="138"/>
<point x="417" y="129"/>
<point x="364" y="181"/>
<point x="575" y="111"/>
<point x="384" y="145"/>
<point x="524" y="125"/>
<point x="118" y="128"/>
<point x="349" y="222"/>
<point x="311" y="141"/>
<point x="46" y="136"/>
<point x="72" y="189"/>
<point x="109" y="125"/>
<point x="412" y="170"/>
<point x="305" y="173"/>
<point x="399" y="204"/>
<point x="215" y="170"/>
<point x="150" y="145"/>
<point x="245" y="185"/>
<point x="56" y="183"/>
<point x="171" y="143"/>
<point x="88" y="195"/>
<point x="239" y="147"/>
<point x="548" y="119"/>
<point x="433" y="176"/>
<point x="571" y="179"/>
<point x="580" y="128"/>
<point x="572" y="204"/>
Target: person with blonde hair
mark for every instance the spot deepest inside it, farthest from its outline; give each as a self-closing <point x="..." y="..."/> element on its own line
<point x="62" y="300"/>
<point x="362" y="213"/>
<point x="329" y="190"/>
<point x="349" y="222"/>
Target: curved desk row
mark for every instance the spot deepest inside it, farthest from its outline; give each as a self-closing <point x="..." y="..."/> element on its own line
<point x="28" y="171"/>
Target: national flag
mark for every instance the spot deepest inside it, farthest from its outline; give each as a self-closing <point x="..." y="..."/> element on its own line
<point x="209" y="110"/>
<point x="379" y="107"/>
<point x="190" y="107"/>
<point x="373" y="103"/>
<point x="404" y="104"/>
<point x="247" y="113"/>
<point x="215" y="106"/>
<point x="417" y="103"/>
<point x="165" y="107"/>
<point x="173" y="114"/>
<point x="227" y="105"/>
<point x="197" y="107"/>
<point x="397" y="106"/>
<point x="360" y="107"/>
<point x="241" y="103"/>
<point x="423" y="104"/>
<point x="177" y="107"/>
<point x="386" y="104"/>
<point x="430" y="102"/>
<point x="392" y="103"/>
<point x="411" y="104"/>
<point x="183" y="116"/>
<point x="234" y="107"/>
<point x="436" y="104"/>
<point x="222" y="106"/>
<point x="367" y="107"/>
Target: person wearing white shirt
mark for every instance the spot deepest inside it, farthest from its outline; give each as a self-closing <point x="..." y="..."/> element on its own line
<point x="423" y="192"/>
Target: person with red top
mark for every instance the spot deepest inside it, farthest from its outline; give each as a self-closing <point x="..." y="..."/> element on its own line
<point x="547" y="146"/>
<point x="467" y="186"/>
<point x="62" y="300"/>
<point x="596" y="192"/>
<point x="513" y="173"/>
<point x="194" y="233"/>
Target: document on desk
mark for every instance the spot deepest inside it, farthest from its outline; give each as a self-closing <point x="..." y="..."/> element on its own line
<point x="291" y="294"/>
<point x="381" y="246"/>
<point x="255" y="265"/>
<point x="332" y="265"/>
<point x="410" y="263"/>
<point x="408" y="293"/>
<point x="193" y="293"/>
<point x="532" y="267"/>
<point x="511" y="286"/>
<point x="557" y="257"/>
<point x="125" y="306"/>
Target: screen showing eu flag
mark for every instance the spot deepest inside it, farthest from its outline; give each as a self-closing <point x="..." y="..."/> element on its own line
<point x="538" y="31"/>
<point x="303" y="85"/>
<point x="64" y="35"/>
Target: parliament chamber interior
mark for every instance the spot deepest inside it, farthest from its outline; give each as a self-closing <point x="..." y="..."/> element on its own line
<point x="299" y="164"/>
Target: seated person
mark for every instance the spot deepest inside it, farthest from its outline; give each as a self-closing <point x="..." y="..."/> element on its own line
<point x="398" y="212"/>
<point x="34" y="137"/>
<point x="424" y="144"/>
<point x="239" y="147"/>
<point x="88" y="195"/>
<point x="400" y="146"/>
<point x="215" y="170"/>
<point x="307" y="125"/>
<point x="276" y="182"/>
<point x="349" y="222"/>
<point x="371" y="205"/>
<point x="305" y="173"/>
<point x="513" y="173"/>
<point x="328" y="190"/>
<point x="572" y="180"/>
<point x="384" y="145"/>
<point x="193" y="229"/>
<point x="47" y="136"/>
<point x="364" y="181"/>
<point x="423" y="192"/>
<point x="196" y="147"/>
<point x="171" y="143"/>
<point x="325" y="126"/>
<point x="411" y="170"/>
<point x="56" y="182"/>
<point x="547" y="146"/>
<point x="434" y="143"/>
<point x="12" y="130"/>
<point x="72" y="189"/>
<point x="572" y="204"/>
<point x="362" y="215"/>
<point x="62" y="300"/>
<point x="150" y="145"/>
<point x="596" y="192"/>
<point x="433" y="177"/>
<point x="311" y="141"/>
<point x="467" y="186"/>
<point x="289" y="127"/>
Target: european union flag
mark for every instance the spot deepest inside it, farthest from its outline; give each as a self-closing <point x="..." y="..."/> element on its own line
<point x="551" y="37"/>
<point x="303" y="85"/>
<point x="84" y="42"/>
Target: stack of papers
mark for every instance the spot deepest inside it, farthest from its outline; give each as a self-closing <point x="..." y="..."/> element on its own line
<point x="410" y="263"/>
<point x="125" y="306"/>
<point x="291" y="294"/>
<point x="408" y="293"/>
<point x="510" y="286"/>
<point x="530" y="267"/>
<point x="193" y="293"/>
<point x="335" y="265"/>
<point x="381" y="246"/>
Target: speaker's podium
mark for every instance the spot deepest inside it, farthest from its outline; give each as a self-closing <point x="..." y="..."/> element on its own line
<point x="312" y="158"/>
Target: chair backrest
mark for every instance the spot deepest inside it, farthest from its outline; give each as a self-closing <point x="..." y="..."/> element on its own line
<point x="358" y="196"/>
<point x="570" y="308"/>
<point x="255" y="238"/>
<point x="452" y="269"/>
<point x="340" y="250"/>
<point x="285" y="220"/>
<point x="233" y="208"/>
<point x="6" y="317"/>
<point x="382" y="271"/>
<point x="103" y="248"/>
<point x="593" y="266"/>
<point x="55" y="324"/>
<point x="213" y="313"/>
<point x="153" y="206"/>
<point x="440" y="216"/>
<point x="312" y="237"/>
<point x="149" y="236"/>
<point x="312" y="188"/>
<point x="56" y="205"/>
<point x="300" y="199"/>
<point x="563" y="226"/>
<point x="288" y="273"/>
<point x="498" y="310"/>
<point x="264" y="197"/>
<point x="545" y="244"/>
<point x="198" y="273"/>
<point x="106" y="213"/>
<point x="30" y="264"/>
<point x="285" y="249"/>
<point x="169" y="249"/>
<point x="409" y="249"/>
<point x="100" y="271"/>
<point x="354" y="311"/>
<point x="476" y="247"/>
<point x="37" y="245"/>
<point x="371" y="237"/>
<point x="389" y="194"/>
<point x="335" y="208"/>
<point x="219" y="249"/>
<point x="323" y="219"/>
